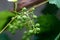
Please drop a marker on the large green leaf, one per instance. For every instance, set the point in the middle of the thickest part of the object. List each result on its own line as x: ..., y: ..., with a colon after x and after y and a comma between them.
x: 4, y: 18
x: 56, y: 2
x: 48, y: 22
x: 49, y: 27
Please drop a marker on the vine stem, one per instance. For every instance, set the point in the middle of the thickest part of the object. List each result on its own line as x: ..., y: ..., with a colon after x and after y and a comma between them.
x: 15, y: 6
x: 38, y: 5
x: 16, y: 15
x: 7, y: 24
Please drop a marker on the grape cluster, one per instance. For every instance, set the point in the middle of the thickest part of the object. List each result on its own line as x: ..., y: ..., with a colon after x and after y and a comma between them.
x: 25, y: 19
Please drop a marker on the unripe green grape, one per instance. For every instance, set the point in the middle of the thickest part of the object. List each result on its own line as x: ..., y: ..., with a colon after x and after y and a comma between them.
x: 21, y: 25
x: 24, y: 9
x: 22, y: 21
x: 24, y: 16
x: 35, y: 31
x: 16, y: 27
x: 37, y: 24
x: 18, y: 17
x: 38, y: 29
x: 19, y: 13
x: 13, y: 23
x: 31, y: 21
x: 30, y: 31
x: 11, y: 26
x: 34, y: 16
x: 33, y: 9
x: 25, y: 12
x: 18, y: 22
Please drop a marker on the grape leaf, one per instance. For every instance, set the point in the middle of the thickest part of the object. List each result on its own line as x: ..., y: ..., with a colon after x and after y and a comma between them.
x: 4, y: 18
x: 56, y: 2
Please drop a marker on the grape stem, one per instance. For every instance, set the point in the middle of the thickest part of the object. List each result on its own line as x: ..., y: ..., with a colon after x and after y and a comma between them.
x: 35, y: 6
x: 7, y: 25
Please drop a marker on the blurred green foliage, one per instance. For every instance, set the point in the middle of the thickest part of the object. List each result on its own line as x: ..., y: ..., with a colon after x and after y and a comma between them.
x: 5, y: 17
x: 50, y: 9
x: 49, y: 25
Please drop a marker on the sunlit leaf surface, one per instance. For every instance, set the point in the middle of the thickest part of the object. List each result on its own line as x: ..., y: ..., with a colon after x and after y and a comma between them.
x: 4, y: 18
x: 56, y: 2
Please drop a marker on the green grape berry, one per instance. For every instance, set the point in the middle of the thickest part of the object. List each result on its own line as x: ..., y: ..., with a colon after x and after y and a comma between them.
x: 35, y: 32
x: 25, y: 12
x: 34, y: 16
x: 30, y: 31
x: 18, y: 17
x: 24, y: 16
x: 11, y: 26
x: 21, y: 25
x: 16, y: 27
x: 37, y: 24
x: 33, y: 9
x: 18, y: 22
x: 38, y: 29
x: 24, y: 9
